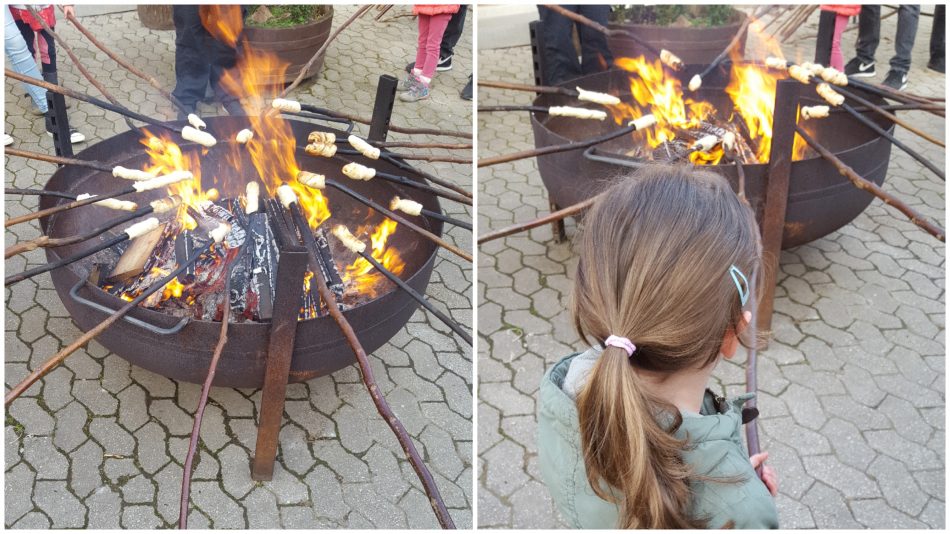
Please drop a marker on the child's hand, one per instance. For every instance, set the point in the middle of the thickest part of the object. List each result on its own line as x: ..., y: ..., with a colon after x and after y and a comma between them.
x: 769, y: 477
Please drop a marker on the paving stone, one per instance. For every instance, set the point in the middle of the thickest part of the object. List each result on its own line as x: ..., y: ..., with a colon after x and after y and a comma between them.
x: 221, y: 509
x: 876, y: 512
x: 900, y: 491
x: 18, y: 500
x: 35, y: 420
x: 828, y: 507
x: 831, y: 471
x: 330, y: 502
x: 105, y: 508
x: 33, y: 520
x: 85, y: 475
x: 113, y: 438
x: 140, y: 517
x: 48, y: 462
x: 59, y: 504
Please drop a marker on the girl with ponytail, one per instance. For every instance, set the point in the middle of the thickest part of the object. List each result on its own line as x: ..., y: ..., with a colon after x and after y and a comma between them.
x: 629, y: 436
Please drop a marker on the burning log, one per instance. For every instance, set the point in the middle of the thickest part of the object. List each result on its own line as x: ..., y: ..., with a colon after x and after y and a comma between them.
x: 57, y: 359
x: 401, y: 220
x: 262, y: 257
x: 132, y: 261
x: 865, y: 185
x: 321, y: 258
x: 131, y: 232
x: 137, y: 187
x: 638, y: 124
x: 355, y: 245
x: 412, y: 207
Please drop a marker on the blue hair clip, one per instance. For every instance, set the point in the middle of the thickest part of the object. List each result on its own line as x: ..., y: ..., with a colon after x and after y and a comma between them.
x: 743, y: 286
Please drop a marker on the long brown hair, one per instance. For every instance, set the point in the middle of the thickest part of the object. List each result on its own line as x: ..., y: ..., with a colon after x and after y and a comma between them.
x: 654, y: 267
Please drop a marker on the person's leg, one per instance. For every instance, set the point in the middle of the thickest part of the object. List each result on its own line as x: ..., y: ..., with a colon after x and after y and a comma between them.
x: 595, y: 55
x: 837, y: 58
x: 453, y: 32
x: 869, y: 33
x: 907, y: 19
x: 47, y: 46
x: 21, y: 61
x: 826, y: 25
x: 421, y: 44
x: 938, y: 39
x: 437, y: 24
x: 192, y: 70
x: 559, y: 55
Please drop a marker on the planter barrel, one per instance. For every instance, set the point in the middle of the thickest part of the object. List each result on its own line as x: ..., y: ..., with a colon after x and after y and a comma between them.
x: 294, y: 45
x: 156, y: 17
x: 695, y: 46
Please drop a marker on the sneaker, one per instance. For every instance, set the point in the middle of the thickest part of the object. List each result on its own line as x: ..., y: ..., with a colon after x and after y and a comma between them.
x: 75, y: 136
x: 37, y: 111
x: 896, y: 79
x: 7, y: 139
x: 417, y: 92
x: 860, y: 69
x: 937, y: 65
x: 466, y: 93
x: 445, y: 63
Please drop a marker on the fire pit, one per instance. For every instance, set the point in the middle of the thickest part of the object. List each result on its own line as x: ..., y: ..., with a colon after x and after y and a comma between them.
x: 821, y: 200
x: 181, y: 348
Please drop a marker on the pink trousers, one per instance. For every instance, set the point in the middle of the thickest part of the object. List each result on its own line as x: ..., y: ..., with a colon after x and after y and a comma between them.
x: 431, y: 28
x: 837, y: 59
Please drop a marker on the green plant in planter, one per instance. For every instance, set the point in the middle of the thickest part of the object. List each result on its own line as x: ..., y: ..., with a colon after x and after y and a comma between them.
x: 701, y: 16
x: 283, y: 16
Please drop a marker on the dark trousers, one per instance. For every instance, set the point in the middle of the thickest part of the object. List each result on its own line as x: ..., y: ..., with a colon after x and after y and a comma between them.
x: 453, y: 32
x: 559, y: 55
x: 938, y: 34
x: 200, y: 59
x: 49, y: 69
x: 869, y: 35
x: 826, y: 32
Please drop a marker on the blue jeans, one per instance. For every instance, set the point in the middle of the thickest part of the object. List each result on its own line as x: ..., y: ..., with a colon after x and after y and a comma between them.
x: 22, y: 61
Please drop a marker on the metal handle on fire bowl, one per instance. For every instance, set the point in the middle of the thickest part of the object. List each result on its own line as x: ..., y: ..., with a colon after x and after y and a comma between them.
x: 74, y: 294
x: 591, y: 155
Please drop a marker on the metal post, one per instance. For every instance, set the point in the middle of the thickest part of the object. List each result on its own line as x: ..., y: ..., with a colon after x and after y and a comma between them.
x: 59, y: 124
x: 537, y: 57
x: 784, y: 120
x: 383, y: 108
x: 290, y: 273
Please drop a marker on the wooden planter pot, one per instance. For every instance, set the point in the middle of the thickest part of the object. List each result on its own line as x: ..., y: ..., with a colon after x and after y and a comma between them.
x: 294, y: 45
x: 695, y: 46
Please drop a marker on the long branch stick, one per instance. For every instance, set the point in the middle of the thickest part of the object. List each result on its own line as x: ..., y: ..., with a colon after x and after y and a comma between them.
x: 428, y: 176
x: 601, y: 28
x: 366, y: 372
x: 505, y: 158
x: 46, y: 267
x: 872, y: 188
x: 883, y: 133
x: 63, y: 207
x: 392, y: 128
x: 203, y: 401
x: 37, y: 192
x: 404, y: 144
x: 59, y: 160
x: 551, y: 217
x: 751, y: 373
x: 46, y: 241
x: 548, y: 89
x: 125, y: 64
x: 890, y: 116
x: 58, y: 358
x: 89, y: 99
x: 402, y: 220
x: 72, y: 56
x: 725, y: 53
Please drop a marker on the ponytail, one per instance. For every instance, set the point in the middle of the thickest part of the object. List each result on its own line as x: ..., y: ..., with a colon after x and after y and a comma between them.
x: 625, y: 447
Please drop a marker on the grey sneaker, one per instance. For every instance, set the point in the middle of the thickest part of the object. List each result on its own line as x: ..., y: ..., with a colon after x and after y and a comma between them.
x: 408, y: 82
x: 417, y: 92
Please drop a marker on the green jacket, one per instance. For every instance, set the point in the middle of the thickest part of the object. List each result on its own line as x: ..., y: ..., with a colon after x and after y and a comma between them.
x: 718, y: 452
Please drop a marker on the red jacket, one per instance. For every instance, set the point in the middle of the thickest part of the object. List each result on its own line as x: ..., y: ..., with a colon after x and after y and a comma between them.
x: 435, y: 9
x: 848, y: 10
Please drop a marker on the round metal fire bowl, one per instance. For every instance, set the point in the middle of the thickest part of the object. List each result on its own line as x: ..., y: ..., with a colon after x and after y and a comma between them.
x: 820, y: 199
x: 319, y: 348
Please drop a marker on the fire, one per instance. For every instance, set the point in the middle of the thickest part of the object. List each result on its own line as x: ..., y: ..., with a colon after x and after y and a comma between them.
x: 752, y: 89
x: 362, y: 273
x: 166, y: 156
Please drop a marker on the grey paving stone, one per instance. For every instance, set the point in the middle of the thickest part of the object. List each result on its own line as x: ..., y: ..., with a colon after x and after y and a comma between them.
x: 140, y: 517
x: 85, y: 475
x: 17, y: 483
x: 62, y: 507
x: 876, y: 512
x: 105, y: 508
x: 48, y: 462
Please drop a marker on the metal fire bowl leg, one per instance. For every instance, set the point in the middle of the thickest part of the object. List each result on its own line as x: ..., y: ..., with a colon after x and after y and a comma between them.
x: 320, y: 347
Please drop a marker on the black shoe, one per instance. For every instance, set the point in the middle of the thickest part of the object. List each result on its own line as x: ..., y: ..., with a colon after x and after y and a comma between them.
x: 466, y: 93
x: 937, y: 65
x: 896, y: 79
x: 860, y: 69
x: 445, y: 63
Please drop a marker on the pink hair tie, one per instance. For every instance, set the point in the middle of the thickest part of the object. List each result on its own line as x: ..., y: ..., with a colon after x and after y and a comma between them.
x: 621, y: 342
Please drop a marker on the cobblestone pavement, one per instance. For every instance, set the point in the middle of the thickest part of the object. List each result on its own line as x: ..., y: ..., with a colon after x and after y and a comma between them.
x: 100, y: 444
x: 851, y: 389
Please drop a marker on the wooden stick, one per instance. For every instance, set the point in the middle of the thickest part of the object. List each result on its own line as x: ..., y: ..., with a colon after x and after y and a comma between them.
x: 69, y: 52
x: 505, y: 158
x: 428, y: 176
x: 446, y: 219
x: 581, y: 19
x: 402, y: 220
x: 59, y: 160
x: 63, y: 207
x: 890, y: 116
x: 392, y: 128
x: 404, y: 144
x: 444, y: 159
x: 493, y: 109
x: 890, y: 92
x: 547, y: 219
x: 37, y: 192
x: 547, y: 89
x: 899, y: 107
x: 203, y: 400
x: 366, y: 372
x: 46, y: 242
x: 89, y: 99
x: 725, y: 53
x: 402, y: 180
x: 872, y: 188
x: 883, y: 133
x: 125, y: 64
x: 57, y: 359
x: 751, y: 373
x: 321, y: 50
x: 30, y: 273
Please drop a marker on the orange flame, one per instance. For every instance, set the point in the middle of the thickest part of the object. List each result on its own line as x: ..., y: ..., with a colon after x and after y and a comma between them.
x: 361, y: 273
